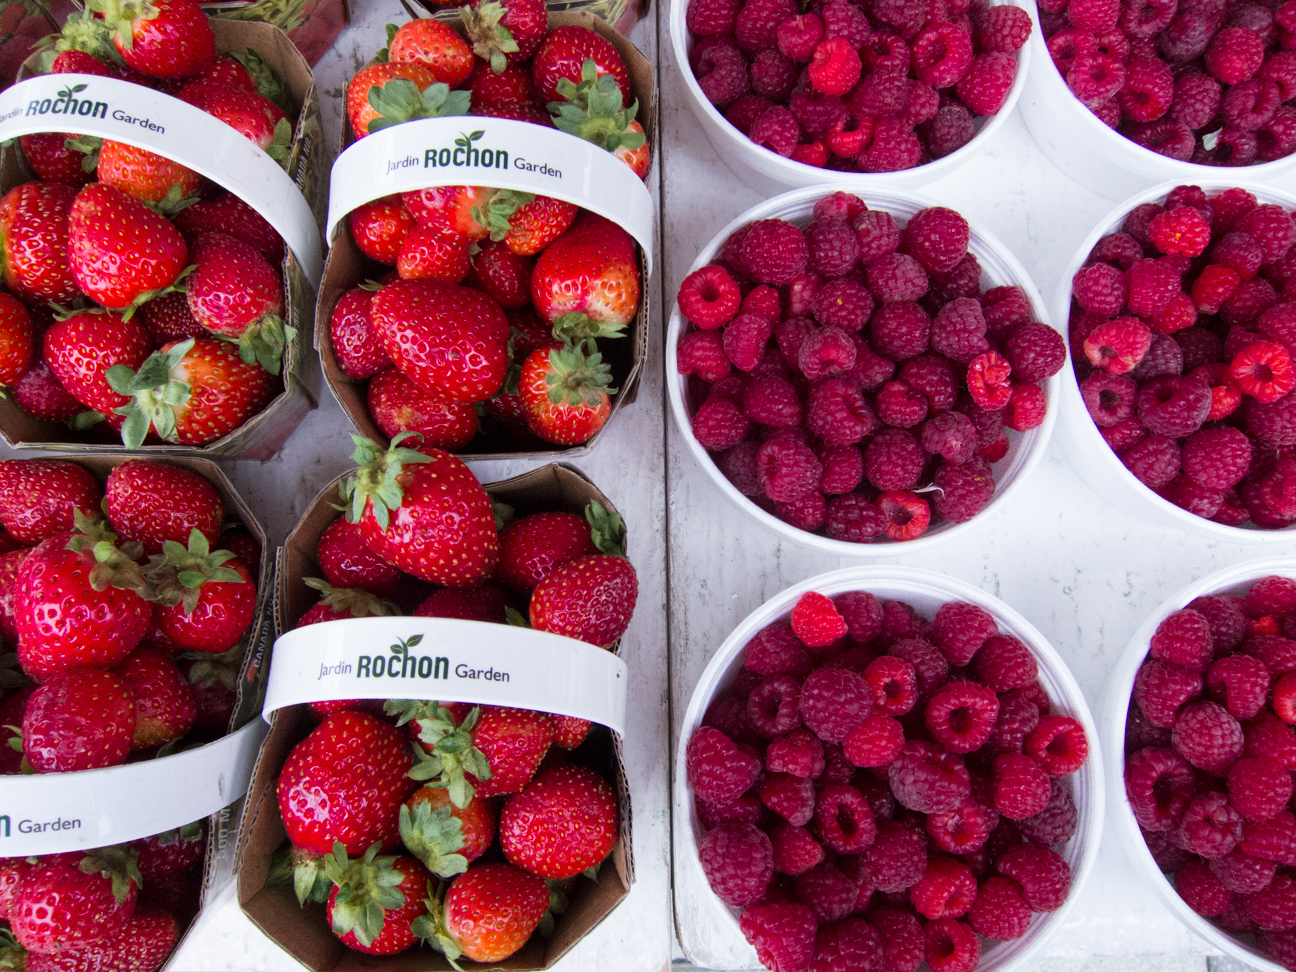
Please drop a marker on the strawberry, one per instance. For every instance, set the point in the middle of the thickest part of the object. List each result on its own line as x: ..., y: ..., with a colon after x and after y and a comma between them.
x: 592, y: 270
x: 477, y: 821
x: 83, y: 348
x: 356, y: 345
x: 528, y: 333
x: 538, y: 222
x: 252, y: 115
x: 565, y: 393
x: 564, y: 822
x: 230, y: 214
x: 164, y: 705
x: 347, y: 561
x: 34, y: 242
x: 212, y: 681
x: 569, y: 731
x: 86, y: 576
x: 171, y: 851
x: 526, y: 113
x: 379, y: 228
x: 159, y: 38
x: 12, y: 871
x: 422, y: 510
x: 594, y: 109
x: 40, y: 498
x: 590, y: 599
x: 9, y: 564
x: 435, y: 45
x: 381, y: 95
x: 80, y: 62
x: 463, y: 210
x: 235, y: 292
x: 228, y: 71
x: 64, y: 905
x: 532, y: 546
x: 345, y: 783
x: 152, y: 502
x: 488, y: 913
x: 338, y: 604
x: 485, y: 603
x: 147, y: 177
x: 398, y: 405
x: 103, y: 224
x: 168, y: 318
x: 41, y: 395
x: 15, y: 339
x: 447, y: 338
x: 505, y: 33
x: 512, y: 86
x: 246, y: 547
x: 503, y: 274
x: 81, y: 719
x: 375, y: 900
x: 563, y: 55
x: 53, y: 159
x: 193, y: 391
x: 431, y: 253
x: 142, y: 946
x: 206, y: 598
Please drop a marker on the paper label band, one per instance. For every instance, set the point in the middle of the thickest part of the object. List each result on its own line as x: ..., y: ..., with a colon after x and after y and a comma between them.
x: 85, y: 104
x: 447, y: 660
x: 50, y: 813
x: 500, y: 152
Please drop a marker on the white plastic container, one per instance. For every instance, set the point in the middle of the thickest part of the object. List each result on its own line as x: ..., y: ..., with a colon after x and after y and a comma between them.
x: 766, y: 170
x: 1098, y: 157
x: 1090, y: 456
x: 999, y: 268
x: 925, y: 591
x: 1113, y: 707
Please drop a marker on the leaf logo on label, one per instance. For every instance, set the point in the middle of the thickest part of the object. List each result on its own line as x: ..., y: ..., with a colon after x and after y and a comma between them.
x: 66, y: 103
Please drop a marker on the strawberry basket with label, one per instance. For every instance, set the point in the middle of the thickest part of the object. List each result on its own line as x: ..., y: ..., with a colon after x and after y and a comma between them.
x: 509, y: 316
x: 195, y: 147
x: 445, y: 721
x: 136, y: 597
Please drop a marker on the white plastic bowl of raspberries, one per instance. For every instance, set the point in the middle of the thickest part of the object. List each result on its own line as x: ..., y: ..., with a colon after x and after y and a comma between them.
x: 1180, y: 401
x: 1125, y: 95
x: 855, y: 377
x: 882, y: 766
x: 889, y: 98
x: 1197, y: 726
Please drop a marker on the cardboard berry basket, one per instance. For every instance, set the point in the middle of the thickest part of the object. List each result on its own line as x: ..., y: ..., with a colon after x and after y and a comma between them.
x: 312, y: 25
x: 22, y: 25
x: 292, y: 200
x: 335, y: 660
x: 1114, y: 707
x: 508, y: 155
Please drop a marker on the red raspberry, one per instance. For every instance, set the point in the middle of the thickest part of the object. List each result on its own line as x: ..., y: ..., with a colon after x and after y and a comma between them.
x: 961, y: 715
x: 1036, y: 352
x: 1044, y: 876
x: 894, y: 684
x: 1002, y: 28
x: 1201, y: 890
x: 718, y: 770
x: 876, y: 741
x: 894, y: 147
x: 783, y: 933
x: 905, y: 515
x: 933, y: 376
x: 959, y: 330
x: 1153, y: 461
x: 988, y: 380
x: 776, y: 650
x: 1242, y: 682
x: 798, y: 36
x: 1058, y: 744
x: 1158, y: 784
x: 838, y: 416
x: 835, y: 68
x: 709, y: 297
x: 1271, y: 840
x: 1026, y: 408
x: 808, y: 512
x: 984, y: 87
x: 827, y: 892
x: 1278, y: 653
x: 1125, y: 435
x: 942, y: 54
x: 1056, y: 823
x: 1273, y: 423
x: 833, y: 247
x: 1173, y: 406
x: 701, y: 353
x: 1196, y: 100
x: 738, y: 861
x: 746, y: 809
x: 711, y: 17
x: 877, y: 235
x: 1235, y: 54
x: 1271, y: 226
x: 728, y: 713
x: 1257, y: 788
x: 1021, y: 787
x: 1271, y: 595
x: 791, y: 797
x: 772, y: 705
x: 774, y: 250
x: 853, y: 519
x: 961, y: 629
x: 1207, y: 736
x: 946, y: 889
x: 847, y: 945
x: 962, y: 830
x: 1017, y: 717
x: 1147, y: 94
x: 1095, y: 78
x: 1180, y: 231
x: 777, y: 130
x: 1217, y: 458
x: 721, y: 73
x: 773, y: 75
x: 897, y: 859
x: 772, y: 401
x: 937, y: 238
x: 863, y: 614
x: 1241, y: 873
x: 1183, y: 639
x: 787, y: 470
x: 1005, y: 663
x: 1118, y: 345
x: 719, y: 424
x: 1283, y: 700
x: 816, y: 622
x: 834, y: 701
x: 949, y: 130
x: 743, y: 113
x: 1109, y: 399
x: 756, y: 25
x: 1273, y: 908
x: 893, y: 460
x: 795, y: 850
x: 1095, y: 16
x: 843, y: 820
x: 930, y: 666
x: 1264, y: 371
x: 1210, y: 827
x: 928, y: 779
x: 950, y: 435
x: 1280, y: 946
x: 799, y: 753
x: 826, y: 353
x: 1000, y: 910
x: 896, y: 278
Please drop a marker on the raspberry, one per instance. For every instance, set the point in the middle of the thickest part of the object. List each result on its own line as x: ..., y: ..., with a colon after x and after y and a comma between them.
x: 1235, y: 54
x: 1021, y: 787
x: 1005, y: 663
x: 1273, y: 423
x: 988, y: 380
x: 1217, y: 458
x: 772, y: 705
x: 985, y: 85
x: 932, y: 376
x: 897, y: 859
x: 1095, y: 78
x: 1273, y: 908
x: 1183, y: 639
x: 711, y: 17
x: 894, y: 147
x: 738, y: 861
x: 1251, y: 105
x: 745, y: 810
x: 787, y: 470
x: 896, y: 278
x: 961, y: 715
x: 826, y: 353
x: 1207, y: 736
x: 1271, y: 840
x: 941, y: 54
x: 777, y: 130
x: 949, y: 130
x: 1035, y: 351
x: 776, y: 650
x: 1118, y: 249
x: 728, y: 713
x: 717, y: 769
x: 1154, y: 461
x: 1196, y: 100
x: 835, y: 67
x: 950, y: 435
x: 959, y: 330
x: 1147, y: 94
x: 773, y: 75
x: 1280, y: 946
x: 1124, y: 435
x: 834, y: 701
x: 1271, y: 595
x: 756, y: 25
x: 1272, y: 227
x: 719, y: 424
x: 798, y: 36
x: 1180, y: 231
x: 1058, y: 744
x: 876, y: 741
x: 928, y: 779
x: 1277, y: 653
x: 862, y: 613
x: 1044, y: 876
x: 1241, y: 873
x: 894, y: 684
x: 1278, y: 138
x: 1201, y: 890
x: 1109, y: 398
x: 709, y: 297
x: 847, y: 945
x: 1216, y: 284
x: 1017, y: 717
x: 946, y: 889
x: 1242, y: 682
x: 807, y: 512
x: 1026, y: 409
x: 1187, y: 495
x: 832, y: 246
x: 774, y: 250
x: 1002, y: 28
x: 937, y: 238
x: 1118, y: 345
x: 701, y: 353
x: 721, y: 73
x: 772, y: 401
x: 838, y: 415
x: 1146, y: 18
x: 1152, y: 285
x: 744, y: 112
x: 1095, y: 16
x: 1173, y: 406
x: 1257, y: 788
x: 893, y: 460
x: 853, y: 519
x: 1264, y: 371
x: 843, y: 820
x: 961, y: 629
x: 842, y: 303
x: 816, y: 622
x: 783, y: 933
x: 795, y: 850
x: 1158, y: 784
x: 1056, y: 823
x: 827, y: 892
x: 799, y: 752
x: 791, y: 797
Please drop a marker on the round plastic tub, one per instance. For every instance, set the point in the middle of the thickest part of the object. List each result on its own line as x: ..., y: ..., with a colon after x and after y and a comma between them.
x: 999, y: 268
x: 767, y: 170
x: 1090, y: 456
x: 1098, y: 157
x: 1113, y: 707
x: 925, y: 591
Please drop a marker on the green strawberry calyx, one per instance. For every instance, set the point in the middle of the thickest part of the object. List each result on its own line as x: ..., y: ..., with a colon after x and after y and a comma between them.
x: 187, y: 834
x: 157, y: 395
x: 207, y: 669
x: 503, y: 513
x: 576, y: 377
x: 447, y: 754
x: 120, y: 15
x: 433, y: 836
x: 89, y: 146
x: 490, y: 39
x: 400, y: 100
x: 170, y: 204
x: 607, y: 528
x: 557, y: 905
x: 367, y: 889
x: 375, y: 482
x: 310, y: 880
x: 269, y: 84
x: 354, y: 601
x: 594, y: 110
x: 11, y: 673
x: 431, y: 928
x: 85, y: 32
x: 178, y: 574
x: 495, y: 215
x: 117, y: 863
x: 384, y: 55
x: 175, y: 286
x: 264, y: 340
x: 13, y: 957
x: 574, y: 328
x: 114, y: 565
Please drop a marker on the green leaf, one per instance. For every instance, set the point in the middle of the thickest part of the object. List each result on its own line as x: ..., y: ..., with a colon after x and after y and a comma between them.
x: 433, y: 836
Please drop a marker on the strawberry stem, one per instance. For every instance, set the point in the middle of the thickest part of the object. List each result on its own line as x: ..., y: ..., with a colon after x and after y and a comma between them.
x: 375, y: 482
x: 178, y: 574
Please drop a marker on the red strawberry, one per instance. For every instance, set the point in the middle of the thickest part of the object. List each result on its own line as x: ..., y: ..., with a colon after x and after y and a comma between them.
x: 477, y: 821
x: 193, y: 391
x: 81, y: 350
x: 503, y: 274
x: 375, y: 900
x: 172, y: 851
x: 381, y: 95
x: 226, y: 70
x: 152, y: 502
x: 441, y: 527
x: 592, y: 270
x: 564, y: 393
x: 347, y: 561
x: 142, y: 946
x: 569, y: 731
x: 398, y: 405
x: 532, y: 546
x: 252, y: 115
x: 12, y: 871
x: 160, y: 38
x: 453, y: 208
x: 562, y: 823
x: 168, y: 318
x: 81, y: 719
x: 206, y: 598
x: 595, y: 109
x: 447, y: 338
x: 484, y: 602
x: 15, y: 339
x: 65, y: 580
x: 236, y: 293
x: 590, y: 599
x: 512, y: 86
x: 53, y: 160
x: 80, y: 62
x: 144, y: 175
x: 103, y: 225
x: 41, y: 395
x: 431, y: 253
x: 506, y: 32
x: 39, y: 498
x: 338, y: 604
x: 356, y: 344
x: 34, y: 242
x: 164, y: 705
x: 435, y: 45
x: 526, y: 113
x: 345, y: 783
x: 537, y: 223
x: 230, y: 214
x: 246, y: 547
x: 66, y: 904
x: 563, y: 55
x: 9, y: 564
x: 488, y: 913
x: 379, y: 228
x: 213, y: 680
